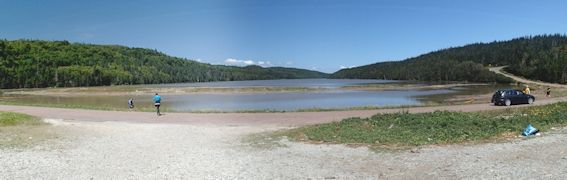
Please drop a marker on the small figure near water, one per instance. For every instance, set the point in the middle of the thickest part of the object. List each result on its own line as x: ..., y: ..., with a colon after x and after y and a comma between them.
x: 548, y: 92
x: 131, y: 103
x: 157, y: 103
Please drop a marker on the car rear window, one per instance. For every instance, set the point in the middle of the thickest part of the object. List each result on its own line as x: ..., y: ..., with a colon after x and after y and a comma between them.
x: 499, y: 93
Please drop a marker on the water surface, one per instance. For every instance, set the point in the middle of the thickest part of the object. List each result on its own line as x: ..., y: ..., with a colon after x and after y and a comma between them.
x: 329, y: 99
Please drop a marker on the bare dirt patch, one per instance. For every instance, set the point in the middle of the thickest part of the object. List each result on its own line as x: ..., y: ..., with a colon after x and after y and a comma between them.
x: 34, y: 136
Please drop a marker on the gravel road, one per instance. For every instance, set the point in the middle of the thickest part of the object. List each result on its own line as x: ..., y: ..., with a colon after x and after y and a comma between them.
x: 499, y: 70
x: 122, y: 150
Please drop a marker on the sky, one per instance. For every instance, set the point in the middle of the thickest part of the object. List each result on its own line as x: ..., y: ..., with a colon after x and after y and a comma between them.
x: 322, y: 35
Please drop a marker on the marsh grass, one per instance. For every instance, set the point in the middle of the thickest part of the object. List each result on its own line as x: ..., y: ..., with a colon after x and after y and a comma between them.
x: 399, y: 130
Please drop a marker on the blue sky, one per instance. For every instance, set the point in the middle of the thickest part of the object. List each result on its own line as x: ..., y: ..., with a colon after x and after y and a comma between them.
x: 324, y: 35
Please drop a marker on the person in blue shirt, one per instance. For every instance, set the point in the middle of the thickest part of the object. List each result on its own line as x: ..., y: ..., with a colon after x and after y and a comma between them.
x: 157, y: 102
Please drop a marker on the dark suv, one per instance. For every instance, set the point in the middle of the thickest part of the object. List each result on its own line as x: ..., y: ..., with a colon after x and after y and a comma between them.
x: 509, y: 96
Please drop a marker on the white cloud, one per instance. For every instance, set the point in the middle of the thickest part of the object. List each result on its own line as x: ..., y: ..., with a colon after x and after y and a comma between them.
x: 232, y: 61
x: 345, y: 67
x: 249, y: 62
x: 237, y: 62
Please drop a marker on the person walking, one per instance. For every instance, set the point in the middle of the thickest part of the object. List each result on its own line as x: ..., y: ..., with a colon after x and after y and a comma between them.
x: 157, y: 103
x: 131, y: 103
x: 548, y: 92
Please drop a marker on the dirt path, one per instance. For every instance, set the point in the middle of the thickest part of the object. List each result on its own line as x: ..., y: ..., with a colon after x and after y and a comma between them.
x: 499, y: 70
x: 236, y: 119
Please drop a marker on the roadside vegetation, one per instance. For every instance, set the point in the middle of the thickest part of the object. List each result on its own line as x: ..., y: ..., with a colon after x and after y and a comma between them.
x: 22, y: 130
x: 402, y: 130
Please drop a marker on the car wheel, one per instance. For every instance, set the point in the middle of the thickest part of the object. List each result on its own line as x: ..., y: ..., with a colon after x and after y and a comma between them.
x: 508, y: 102
x: 530, y: 101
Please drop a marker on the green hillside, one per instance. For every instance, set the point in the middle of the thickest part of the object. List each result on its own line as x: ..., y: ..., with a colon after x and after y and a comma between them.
x: 34, y: 63
x: 536, y: 57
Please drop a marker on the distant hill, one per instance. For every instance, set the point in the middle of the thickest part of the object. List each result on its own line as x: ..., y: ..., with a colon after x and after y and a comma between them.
x: 536, y: 57
x: 35, y: 63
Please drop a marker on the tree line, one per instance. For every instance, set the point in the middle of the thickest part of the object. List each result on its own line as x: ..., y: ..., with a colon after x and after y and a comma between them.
x: 36, y: 63
x: 542, y: 57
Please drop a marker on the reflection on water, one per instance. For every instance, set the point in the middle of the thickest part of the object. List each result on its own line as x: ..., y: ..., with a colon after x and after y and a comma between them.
x: 295, y: 101
x: 266, y: 101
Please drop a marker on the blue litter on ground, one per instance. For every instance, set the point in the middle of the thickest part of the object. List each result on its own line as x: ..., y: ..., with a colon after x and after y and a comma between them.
x: 530, y: 130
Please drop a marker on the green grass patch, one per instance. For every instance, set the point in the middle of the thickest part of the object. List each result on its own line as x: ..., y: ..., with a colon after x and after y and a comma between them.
x: 13, y: 119
x: 441, y: 127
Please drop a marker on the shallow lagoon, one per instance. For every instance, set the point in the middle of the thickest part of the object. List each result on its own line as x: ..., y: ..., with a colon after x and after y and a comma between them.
x: 332, y: 98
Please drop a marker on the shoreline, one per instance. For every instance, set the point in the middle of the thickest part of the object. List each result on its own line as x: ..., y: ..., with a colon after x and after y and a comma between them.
x: 286, y: 119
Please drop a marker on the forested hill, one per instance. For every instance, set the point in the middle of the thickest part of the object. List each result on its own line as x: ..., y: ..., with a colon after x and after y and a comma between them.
x: 538, y: 57
x: 33, y: 63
